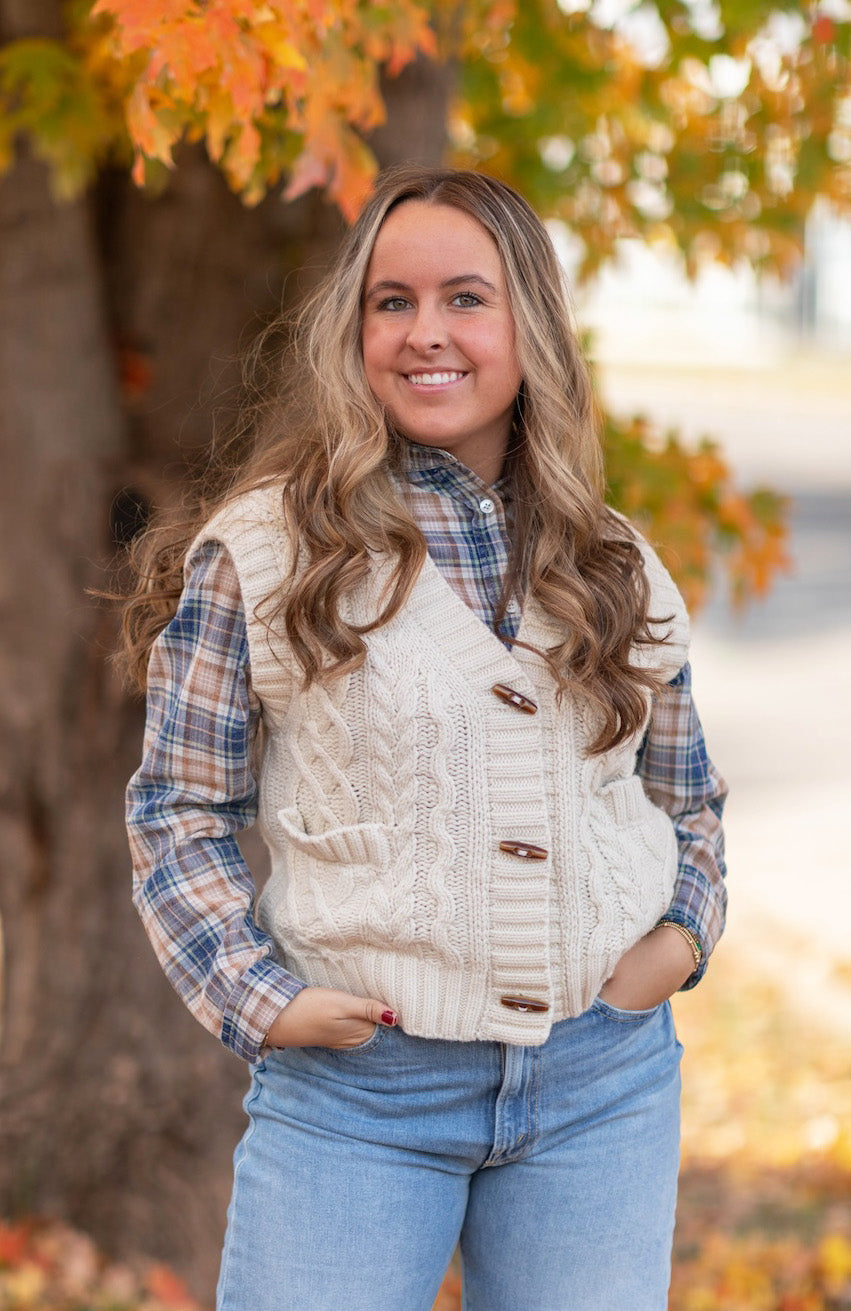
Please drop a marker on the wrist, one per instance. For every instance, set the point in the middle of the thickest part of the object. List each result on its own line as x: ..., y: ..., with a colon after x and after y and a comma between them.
x: 277, y: 1034
x: 690, y: 939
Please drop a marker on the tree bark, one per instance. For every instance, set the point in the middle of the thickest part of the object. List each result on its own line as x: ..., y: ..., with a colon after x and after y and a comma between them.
x: 118, y: 1112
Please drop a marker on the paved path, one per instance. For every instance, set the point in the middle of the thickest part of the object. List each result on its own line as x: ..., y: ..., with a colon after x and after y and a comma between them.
x: 774, y: 688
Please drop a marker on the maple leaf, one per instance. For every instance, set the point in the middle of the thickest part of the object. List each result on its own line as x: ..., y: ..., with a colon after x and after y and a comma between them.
x: 137, y: 21
x: 308, y: 171
x: 14, y: 1243
x: 152, y: 135
x: 165, y: 1286
x: 281, y: 48
x: 355, y: 168
x: 218, y: 66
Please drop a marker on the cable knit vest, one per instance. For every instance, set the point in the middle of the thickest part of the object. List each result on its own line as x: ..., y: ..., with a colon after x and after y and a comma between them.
x: 385, y: 798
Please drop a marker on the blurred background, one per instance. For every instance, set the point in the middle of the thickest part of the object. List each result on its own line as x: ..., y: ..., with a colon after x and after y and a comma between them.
x: 771, y: 381
x: 169, y: 177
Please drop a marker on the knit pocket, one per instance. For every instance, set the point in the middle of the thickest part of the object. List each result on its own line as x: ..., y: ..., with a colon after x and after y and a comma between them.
x: 343, y: 887
x: 632, y: 864
x: 353, y: 844
x: 626, y: 801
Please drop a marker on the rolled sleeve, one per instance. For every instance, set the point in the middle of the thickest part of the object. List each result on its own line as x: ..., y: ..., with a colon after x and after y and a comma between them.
x: 194, y: 791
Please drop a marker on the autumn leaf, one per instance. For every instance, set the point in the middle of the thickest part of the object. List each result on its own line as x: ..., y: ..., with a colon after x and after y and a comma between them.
x: 14, y: 1243
x: 308, y: 171
x: 165, y: 1286
x: 242, y: 74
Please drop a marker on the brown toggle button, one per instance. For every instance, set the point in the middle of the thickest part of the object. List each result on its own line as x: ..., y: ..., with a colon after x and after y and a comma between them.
x: 524, y: 1004
x: 525, y: 849
x: 513, y: 698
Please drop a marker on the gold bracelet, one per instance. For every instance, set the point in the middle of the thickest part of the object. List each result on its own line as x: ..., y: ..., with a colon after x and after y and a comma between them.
x: 696, y: 949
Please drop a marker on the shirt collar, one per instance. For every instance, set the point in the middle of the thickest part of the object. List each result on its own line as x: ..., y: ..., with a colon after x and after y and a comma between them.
x: 429, y: 466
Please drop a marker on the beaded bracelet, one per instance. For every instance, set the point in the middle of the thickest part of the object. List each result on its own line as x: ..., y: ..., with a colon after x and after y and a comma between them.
x: 696, y: 949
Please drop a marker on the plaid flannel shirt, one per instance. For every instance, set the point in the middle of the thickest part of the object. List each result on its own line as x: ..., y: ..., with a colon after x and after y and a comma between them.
x: 195, y: 789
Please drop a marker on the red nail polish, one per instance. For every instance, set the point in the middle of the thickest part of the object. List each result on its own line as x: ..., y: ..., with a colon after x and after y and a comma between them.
x: 389, y: 1017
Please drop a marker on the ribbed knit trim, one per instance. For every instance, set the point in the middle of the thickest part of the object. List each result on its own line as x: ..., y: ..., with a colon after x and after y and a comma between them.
x: 518, y: 890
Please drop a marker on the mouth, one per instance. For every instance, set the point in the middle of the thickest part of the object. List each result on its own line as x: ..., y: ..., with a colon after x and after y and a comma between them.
x: 436, y: 379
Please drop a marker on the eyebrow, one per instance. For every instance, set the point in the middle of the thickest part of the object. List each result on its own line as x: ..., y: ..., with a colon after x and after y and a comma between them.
x: 462, y: 279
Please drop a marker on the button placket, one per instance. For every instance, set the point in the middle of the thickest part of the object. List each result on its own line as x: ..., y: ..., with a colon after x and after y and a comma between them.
x: 522, y: 984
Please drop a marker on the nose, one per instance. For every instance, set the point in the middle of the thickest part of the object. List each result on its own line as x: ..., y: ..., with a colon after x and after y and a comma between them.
x: 427, y: 332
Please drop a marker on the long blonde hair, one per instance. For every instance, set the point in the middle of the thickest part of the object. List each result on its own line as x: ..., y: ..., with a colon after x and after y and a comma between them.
x: 323, y: 434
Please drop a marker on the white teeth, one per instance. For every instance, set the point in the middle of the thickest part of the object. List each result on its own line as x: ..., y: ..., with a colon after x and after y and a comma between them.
x: 433, y: 379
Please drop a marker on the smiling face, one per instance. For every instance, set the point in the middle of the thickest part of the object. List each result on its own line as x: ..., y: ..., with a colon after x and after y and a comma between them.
x: 438, y: 334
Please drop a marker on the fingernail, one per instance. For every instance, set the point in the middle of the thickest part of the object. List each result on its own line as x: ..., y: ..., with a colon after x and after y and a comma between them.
x: 389, y: 1017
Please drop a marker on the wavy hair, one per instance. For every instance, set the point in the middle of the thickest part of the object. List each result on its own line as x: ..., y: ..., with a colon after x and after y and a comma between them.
x: 320, y: 431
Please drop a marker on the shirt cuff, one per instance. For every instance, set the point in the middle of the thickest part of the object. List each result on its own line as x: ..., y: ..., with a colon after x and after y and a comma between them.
x: 255, y: 1002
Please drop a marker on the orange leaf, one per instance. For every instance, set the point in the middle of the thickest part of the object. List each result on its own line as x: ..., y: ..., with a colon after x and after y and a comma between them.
x: 14, y: 1243
x: 137, y: 20
x: 164, y: 1285
x: 354, y: 172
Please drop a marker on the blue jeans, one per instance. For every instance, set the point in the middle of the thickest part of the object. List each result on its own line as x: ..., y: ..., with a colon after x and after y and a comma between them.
x: 555, y: 1167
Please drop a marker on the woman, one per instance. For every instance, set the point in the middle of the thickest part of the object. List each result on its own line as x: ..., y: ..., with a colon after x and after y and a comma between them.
x: 455, y: 687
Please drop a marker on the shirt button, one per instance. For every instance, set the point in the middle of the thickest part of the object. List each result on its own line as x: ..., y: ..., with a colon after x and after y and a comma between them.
x: 486, y: 505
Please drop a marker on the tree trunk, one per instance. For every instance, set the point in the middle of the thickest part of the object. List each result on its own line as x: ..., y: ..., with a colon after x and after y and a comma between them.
x: 118, y: 1112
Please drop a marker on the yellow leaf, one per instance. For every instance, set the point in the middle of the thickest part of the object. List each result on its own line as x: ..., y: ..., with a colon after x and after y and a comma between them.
x: 147, y: 130
x: 280, y: 48
x: 220, y: 119
x: 24, y: 1287
x: 835, y: 1257
x: 242, y: 155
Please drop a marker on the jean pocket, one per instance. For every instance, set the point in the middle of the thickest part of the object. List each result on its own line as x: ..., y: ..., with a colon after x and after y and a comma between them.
x: 622, y: 1016
x: 371, y: 1042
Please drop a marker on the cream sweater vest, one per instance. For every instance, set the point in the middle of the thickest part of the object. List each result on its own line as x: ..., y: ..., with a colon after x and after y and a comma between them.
x: 386, y: 795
